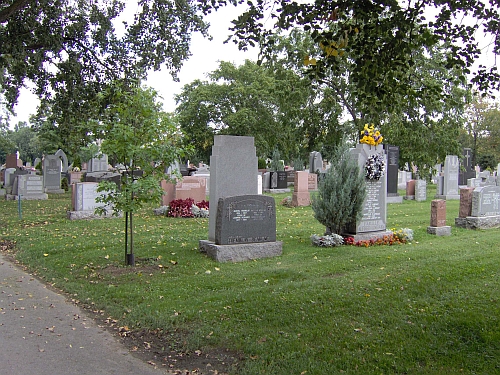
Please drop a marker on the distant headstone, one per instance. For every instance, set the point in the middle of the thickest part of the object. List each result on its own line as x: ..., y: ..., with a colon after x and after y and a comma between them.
x: 312, y: 182
x: 474, y: 182
x: 52, y: 174
x: 28, y: 187
x: 233, y: 174
x: 9, y: 175
x: 450, y: 183
x: 420, y: 190
x: 11, y: 161
x: 259, y: 183
x: 168, y: 188
x: 37, y: 161
x: 465, y: 202
x: 60, y: 154
x: 84, y: 203
x: 266, y: 181
x: 191, y: 187
x: 410, y: 190
x: 438, y: 219
x: 278, y: 180
x: 466, y: 170
x: 403, y: 178
x: 301, y: 195
x: 315, y: 162
x: 484, y: 209
x: 98, y: 164
x: 392, y: 174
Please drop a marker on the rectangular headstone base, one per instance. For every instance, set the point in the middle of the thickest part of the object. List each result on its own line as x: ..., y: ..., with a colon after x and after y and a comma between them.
x: 90, y: 214
x: 54, y: 191
x: 409, y: 197
x: 394, y: 199
x: 447, y: 197
x: 366, y: 236
x: 31, y: 197
x: 276, y: 191
x: 439, y: 231
x: 241, y: 252
x: 473, y: 222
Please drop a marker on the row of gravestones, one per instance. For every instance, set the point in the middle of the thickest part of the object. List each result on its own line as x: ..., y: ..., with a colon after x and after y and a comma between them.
x: 25, y: 183
x: 479, y: 209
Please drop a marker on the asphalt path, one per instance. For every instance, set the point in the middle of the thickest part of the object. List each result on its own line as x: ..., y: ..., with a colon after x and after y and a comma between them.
x: 41, y: 333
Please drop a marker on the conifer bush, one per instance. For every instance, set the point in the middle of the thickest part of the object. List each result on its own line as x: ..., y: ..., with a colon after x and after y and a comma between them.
x: 341, y: 192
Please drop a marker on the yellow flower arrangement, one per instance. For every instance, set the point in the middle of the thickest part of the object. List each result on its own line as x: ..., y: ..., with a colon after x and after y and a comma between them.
x: 370, y: 135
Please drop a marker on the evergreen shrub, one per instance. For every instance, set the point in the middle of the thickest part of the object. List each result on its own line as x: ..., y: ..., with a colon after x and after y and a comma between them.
x: 341, y: 192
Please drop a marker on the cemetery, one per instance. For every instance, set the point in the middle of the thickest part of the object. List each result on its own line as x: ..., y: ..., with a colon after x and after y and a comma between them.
x: 255, y: 256
x: 327, y: 202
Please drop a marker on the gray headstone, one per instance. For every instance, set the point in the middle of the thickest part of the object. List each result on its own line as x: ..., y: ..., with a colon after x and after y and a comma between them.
x: 98, y: 164
x: 245, y: 219
x: 85, y: 196
x: 60, y: 154
x: 9, y: 176
x: 374, y: 217
x: 486, y: 201
x: 233, y: 171
x: 420, y: 190
x: 52, y: 174
x: 450, y: 183
x: 29, y: 186
x: 315, y: 162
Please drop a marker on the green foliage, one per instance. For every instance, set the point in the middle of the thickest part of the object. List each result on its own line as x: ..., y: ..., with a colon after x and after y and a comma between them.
x: 249, y: 100
x: 71, y: 51
x: 261, y: 163
x: 139, y: 136
x: 64, y: 184
x: 379, y: 36
x: 341, y: 192
x: 276, y: 163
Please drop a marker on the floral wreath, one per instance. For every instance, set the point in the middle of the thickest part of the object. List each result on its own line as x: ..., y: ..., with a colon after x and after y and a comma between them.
x: 375, y: 167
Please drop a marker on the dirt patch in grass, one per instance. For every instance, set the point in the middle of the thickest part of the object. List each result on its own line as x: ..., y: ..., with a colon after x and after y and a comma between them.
x: 164, y: 350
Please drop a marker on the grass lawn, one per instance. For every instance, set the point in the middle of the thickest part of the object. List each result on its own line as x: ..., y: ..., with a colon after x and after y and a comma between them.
x: 429, y: 307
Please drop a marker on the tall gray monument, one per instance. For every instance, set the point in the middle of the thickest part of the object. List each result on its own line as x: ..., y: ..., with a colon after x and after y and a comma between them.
x: 450, y: 188
x: 373, y: 222
x: 234, y: 186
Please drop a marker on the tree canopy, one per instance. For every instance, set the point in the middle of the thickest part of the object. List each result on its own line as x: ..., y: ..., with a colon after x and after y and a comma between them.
x: 71, y: 50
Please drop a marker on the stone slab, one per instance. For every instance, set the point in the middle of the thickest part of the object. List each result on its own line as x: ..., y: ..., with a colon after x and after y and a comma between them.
x: 472, y: 222
x: 394, y: 199
x: 439, y: 231
x: 90, y: 215
x: 245, y: 219
x: 241, y: 252
x: 370, y: 235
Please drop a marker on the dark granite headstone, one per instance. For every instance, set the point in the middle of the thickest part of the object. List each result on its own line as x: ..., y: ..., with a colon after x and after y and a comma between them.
x: 279, y: 180
x: 245, y: 219
x: 392, y: 169
x: 466, y: 170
